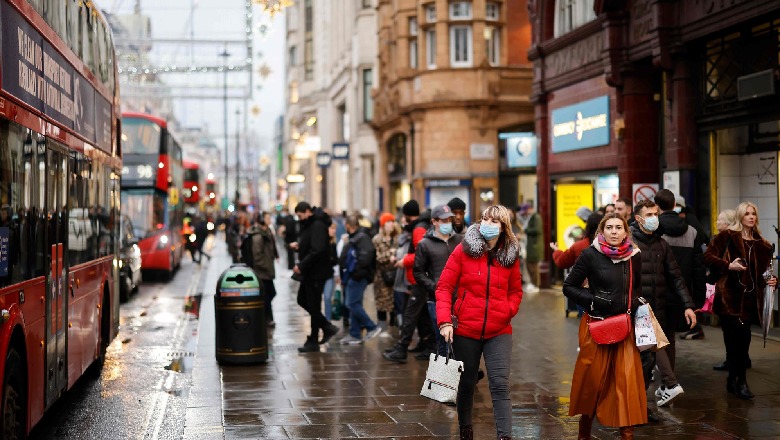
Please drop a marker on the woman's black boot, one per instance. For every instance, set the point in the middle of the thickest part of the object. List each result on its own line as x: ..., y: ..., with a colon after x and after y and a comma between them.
x: 466, y: 433
x: 743, y: 391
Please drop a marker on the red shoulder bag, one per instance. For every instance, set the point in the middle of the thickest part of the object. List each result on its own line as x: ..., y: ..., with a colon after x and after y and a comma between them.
x: 614, y: 329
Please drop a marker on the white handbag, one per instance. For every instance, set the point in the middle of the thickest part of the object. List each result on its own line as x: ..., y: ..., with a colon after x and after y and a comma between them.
x: 443, y: 377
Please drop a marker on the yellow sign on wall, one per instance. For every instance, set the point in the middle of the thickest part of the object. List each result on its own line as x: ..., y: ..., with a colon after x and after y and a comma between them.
x: 569, y: 197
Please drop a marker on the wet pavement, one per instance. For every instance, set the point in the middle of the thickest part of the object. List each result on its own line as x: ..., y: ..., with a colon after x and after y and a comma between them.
x: 143, y: 389
x: 352, y: 392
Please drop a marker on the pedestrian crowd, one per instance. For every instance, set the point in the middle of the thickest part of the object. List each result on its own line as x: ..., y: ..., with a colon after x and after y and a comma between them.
x: 457, y: 286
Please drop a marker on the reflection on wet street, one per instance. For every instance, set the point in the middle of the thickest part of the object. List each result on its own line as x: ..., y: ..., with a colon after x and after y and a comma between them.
x: 352, y: 392
x: 144, y: 386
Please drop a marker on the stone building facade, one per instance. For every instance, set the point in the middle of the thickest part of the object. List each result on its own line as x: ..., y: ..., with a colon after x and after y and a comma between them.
x: 452, y: 76
x: 329, y: 146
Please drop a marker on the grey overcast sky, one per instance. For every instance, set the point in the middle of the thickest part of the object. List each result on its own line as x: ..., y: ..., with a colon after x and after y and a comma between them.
x: 220, y: 19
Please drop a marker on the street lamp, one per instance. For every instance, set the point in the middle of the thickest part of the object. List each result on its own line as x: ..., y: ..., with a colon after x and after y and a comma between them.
x: 238, y: 153
x: 225, y: 54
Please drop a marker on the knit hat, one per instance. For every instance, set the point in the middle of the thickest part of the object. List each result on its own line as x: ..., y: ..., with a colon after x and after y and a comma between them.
x: 384, y: 218
x: 456, y: 204
x: 411, y: 208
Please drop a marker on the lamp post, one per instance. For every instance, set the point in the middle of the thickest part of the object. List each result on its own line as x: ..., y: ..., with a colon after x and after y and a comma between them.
x: 238, y: 155
x: 225, y: 54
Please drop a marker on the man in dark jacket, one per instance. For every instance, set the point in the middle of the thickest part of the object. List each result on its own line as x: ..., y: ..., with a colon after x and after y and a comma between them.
x: 686, y: 245
x: 661, y: 278
x: 358, y: 267
x: 264, y: 253
x: 313, y: 250
x: 431, y: 257
x: 458, y: 208
x: 415, y: 312
x: 290, y: 236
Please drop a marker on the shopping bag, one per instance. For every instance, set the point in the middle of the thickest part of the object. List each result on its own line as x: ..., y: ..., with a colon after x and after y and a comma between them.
x: 660, y: 336
x: 442, y: 378
x: 644, y: 331
x: 336, y: 304
x: 709, y: 300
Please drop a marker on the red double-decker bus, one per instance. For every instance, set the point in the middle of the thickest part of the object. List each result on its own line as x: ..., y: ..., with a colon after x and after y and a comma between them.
x: 193, y: 187
x: 152, y: 181
x: 211, y: 191
x: 60, y: 162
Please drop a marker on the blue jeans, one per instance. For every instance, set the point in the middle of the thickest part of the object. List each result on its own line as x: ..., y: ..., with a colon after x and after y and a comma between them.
x: 441, y: 344
x: 358, y: 318
x: 327, y: 294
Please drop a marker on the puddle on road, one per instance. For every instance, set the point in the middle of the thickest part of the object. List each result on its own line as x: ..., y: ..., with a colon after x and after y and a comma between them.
x: 183, y: 356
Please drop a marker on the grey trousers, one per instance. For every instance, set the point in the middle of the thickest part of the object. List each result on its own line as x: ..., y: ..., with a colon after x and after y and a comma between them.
x: 497, y: 352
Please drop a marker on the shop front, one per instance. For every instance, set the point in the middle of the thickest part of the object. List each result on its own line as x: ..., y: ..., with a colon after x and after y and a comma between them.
x: 517, y: 168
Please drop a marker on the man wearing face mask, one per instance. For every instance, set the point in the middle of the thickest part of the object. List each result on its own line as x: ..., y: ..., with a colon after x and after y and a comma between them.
x: 430, y: 257
x: 661, y: 278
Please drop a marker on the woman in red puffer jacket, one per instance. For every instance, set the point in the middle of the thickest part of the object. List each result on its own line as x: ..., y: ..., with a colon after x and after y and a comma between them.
x: 486, y: 273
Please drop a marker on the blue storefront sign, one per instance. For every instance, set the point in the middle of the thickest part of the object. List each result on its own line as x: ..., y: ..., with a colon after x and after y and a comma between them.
x: 340, y: 151
x: 520, y: 149
x: 5, y: 235
x: 583, y: 125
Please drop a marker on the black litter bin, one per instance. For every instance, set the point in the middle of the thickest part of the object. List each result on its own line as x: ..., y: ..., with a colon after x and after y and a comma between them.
x: 241, y: 333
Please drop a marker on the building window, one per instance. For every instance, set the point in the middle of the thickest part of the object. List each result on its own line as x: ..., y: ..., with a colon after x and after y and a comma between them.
x: 493, y: 45
x: 294, y: 92
x: 412, y: 26
x: 571, y: 14
x: 492, y: 11
x: 430, y: 13
x: 430, y: 48
x: 460, y: 46
x: 308, y: 44
x: 460, y: 11
x: 293, y: 53
x: 368, y: 101
x: 413, y: 54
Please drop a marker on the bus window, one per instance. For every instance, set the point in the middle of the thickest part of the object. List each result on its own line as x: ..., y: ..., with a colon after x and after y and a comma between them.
x: 54, y: 14
x: 72, y: 19
x: 140, y: 136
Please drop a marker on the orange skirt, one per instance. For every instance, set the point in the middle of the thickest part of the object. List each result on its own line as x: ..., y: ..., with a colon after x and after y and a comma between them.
x: 608, y: 381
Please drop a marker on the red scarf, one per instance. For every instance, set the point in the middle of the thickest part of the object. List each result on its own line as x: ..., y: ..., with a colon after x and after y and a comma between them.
x: 615, y: 252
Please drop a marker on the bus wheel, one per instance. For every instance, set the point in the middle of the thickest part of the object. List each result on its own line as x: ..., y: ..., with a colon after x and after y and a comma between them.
x: 14, y: 395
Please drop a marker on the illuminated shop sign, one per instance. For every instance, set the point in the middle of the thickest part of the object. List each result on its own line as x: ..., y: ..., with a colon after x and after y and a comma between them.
x: 520, y: 149
x: 582, y: 125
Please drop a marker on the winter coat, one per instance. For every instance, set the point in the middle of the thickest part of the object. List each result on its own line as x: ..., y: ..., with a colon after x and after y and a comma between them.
x: 401, y: 282
x: 365, y: 267
x: 263, y: 252
x: 418, y: 228
x: 566, y: 259
x: 313, y: 249
x: 534, y: 249
x: 730, y: 296
x: 661, y: 277
x: 489, y: 288
x: 430, y: 258
x: 687, y: 248
x: 608, y: 279
x: 386, y: 247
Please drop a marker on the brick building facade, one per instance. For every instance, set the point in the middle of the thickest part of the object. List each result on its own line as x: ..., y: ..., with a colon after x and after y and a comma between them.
x: 680, y: 94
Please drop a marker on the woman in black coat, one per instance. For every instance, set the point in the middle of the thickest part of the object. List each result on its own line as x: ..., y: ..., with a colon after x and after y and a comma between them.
x: 741, y: 256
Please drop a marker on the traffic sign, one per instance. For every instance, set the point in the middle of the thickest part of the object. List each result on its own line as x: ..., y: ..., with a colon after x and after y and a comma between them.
x: 644, y: 191
x: 323, y: 159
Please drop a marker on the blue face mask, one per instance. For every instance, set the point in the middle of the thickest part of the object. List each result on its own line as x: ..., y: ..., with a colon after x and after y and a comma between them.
x: 445, y: 228
x: 678, y: 209
x: 489, y: 231
x: 651, y: 223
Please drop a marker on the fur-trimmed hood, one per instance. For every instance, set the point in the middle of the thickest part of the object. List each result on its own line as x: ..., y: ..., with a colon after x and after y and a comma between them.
x: 474, y: 245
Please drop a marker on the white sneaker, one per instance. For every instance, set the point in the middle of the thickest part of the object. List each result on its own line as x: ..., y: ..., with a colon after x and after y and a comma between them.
x: 660, y: 391
x: 350, y: 340
x: 530, y: 288
x: 668, y: 394
x: 372, y: 334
